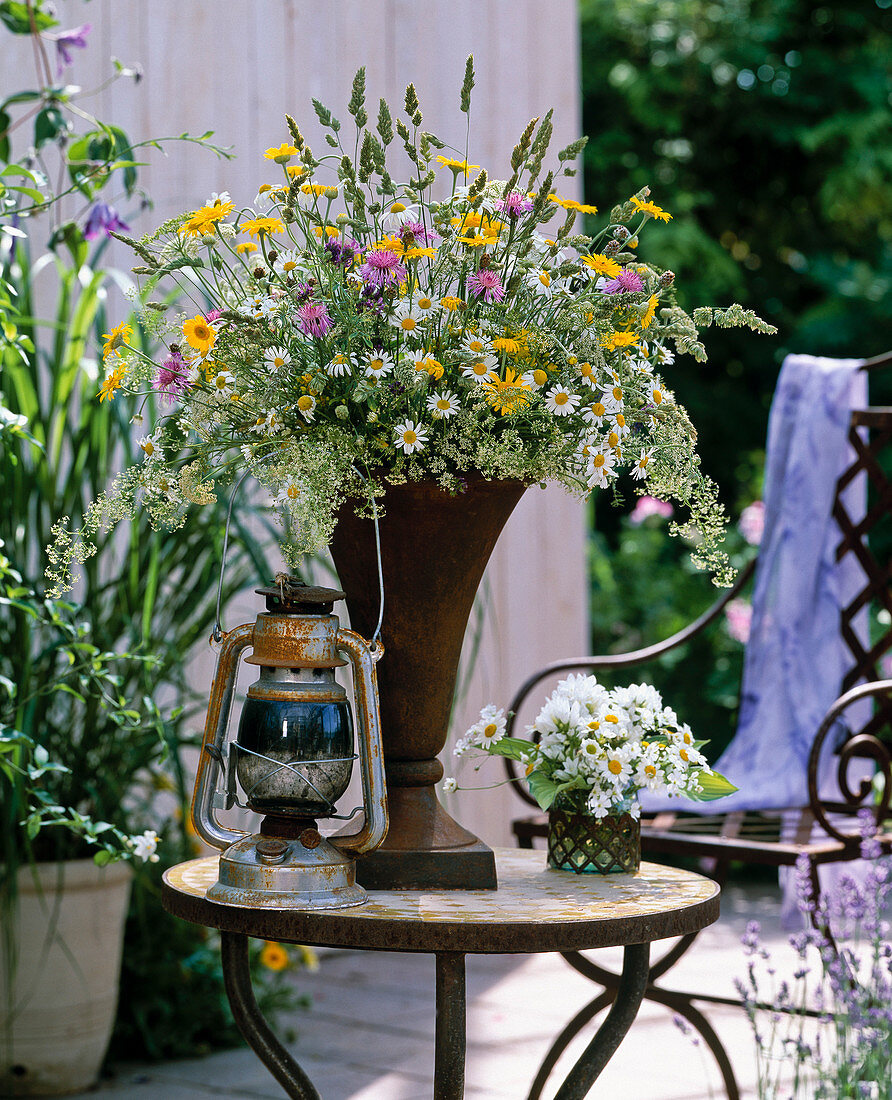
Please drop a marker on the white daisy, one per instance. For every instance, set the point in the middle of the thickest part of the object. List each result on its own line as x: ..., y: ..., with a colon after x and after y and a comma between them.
x: 149, y: 445
x: 540, y: 281
x: 639, y: 470
x: 378, y: 365
x: 587, y: 373
x: 406, y: 317
x: 443, y: 405
x: 536, y: 379
x: 223, y: 385
x: 600, y: 469
x: 306, y: 406
x: 594, y: 413
x: 561, y: 401
x: 478, y: 371
x: 656, y: 394
x: 398, y: 214
x: 410, y: 436
x: 287, y: 262
x: 427, y: 307
x: 340, y: 365
x: 276, y: 358
x: 474, y: 343
x: 618, y: 424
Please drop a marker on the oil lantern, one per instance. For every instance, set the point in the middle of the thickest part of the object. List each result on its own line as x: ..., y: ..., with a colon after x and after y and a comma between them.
x: 293, y: 755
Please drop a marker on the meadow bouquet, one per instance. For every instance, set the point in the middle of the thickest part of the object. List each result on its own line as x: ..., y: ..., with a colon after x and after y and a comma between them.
x: 346, y: 331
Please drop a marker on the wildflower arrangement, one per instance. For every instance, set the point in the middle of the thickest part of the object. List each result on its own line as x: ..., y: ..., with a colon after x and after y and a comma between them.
x: 595, y: 749
x: 347, y: 331
x: 827, y: 1033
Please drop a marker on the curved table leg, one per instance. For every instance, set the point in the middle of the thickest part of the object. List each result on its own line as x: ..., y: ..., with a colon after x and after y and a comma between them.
x: 250, y: 1022
x: 632, y: 984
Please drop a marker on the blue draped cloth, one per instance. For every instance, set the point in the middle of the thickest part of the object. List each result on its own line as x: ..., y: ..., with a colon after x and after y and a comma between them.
x: 795, y: 657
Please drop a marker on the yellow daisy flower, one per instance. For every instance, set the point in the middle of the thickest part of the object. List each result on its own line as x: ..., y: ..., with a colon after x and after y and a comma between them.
x: 274, y: 956
x: 116, y: 339
x: 282, y: 154
x: 199, y: 334
x: 113, y: 383
x: 256, y: 226
x: 650, y: 208
x: 458, y: 166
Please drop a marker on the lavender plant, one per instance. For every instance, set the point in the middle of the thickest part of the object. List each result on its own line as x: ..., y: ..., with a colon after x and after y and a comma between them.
x: 827, y: 1033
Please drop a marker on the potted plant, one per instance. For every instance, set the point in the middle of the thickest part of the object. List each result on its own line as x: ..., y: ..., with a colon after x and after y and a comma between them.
x: 418, y: 352
x: 593, y: 750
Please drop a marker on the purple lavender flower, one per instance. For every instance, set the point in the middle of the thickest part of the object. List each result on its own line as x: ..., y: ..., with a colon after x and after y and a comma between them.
x: 383, y: 268
x: 104, y: 219
x: 626, y: 282
x: 314, y: 319
x: 73, y: 39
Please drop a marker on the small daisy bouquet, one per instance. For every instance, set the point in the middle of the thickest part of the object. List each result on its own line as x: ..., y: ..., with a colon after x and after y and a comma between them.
x: 347, y: 330
x: 596, y: 749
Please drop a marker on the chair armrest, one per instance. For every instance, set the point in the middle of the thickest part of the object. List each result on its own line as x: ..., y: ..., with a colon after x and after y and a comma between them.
x: 861, y: 746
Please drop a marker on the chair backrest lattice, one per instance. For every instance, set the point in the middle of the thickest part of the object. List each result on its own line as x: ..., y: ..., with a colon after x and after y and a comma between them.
x: 870, y: 436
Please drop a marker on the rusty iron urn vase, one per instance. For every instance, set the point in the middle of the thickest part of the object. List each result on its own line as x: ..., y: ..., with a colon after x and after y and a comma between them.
x: 434, y: 549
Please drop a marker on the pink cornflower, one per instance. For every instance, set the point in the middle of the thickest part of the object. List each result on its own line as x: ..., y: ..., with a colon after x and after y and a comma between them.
x: 213, y: 315
x: 314, y: 319
x: 625, y: 281
x: 172, y: 381
x: 382, y: 268
x: 649, y: 506
x: 486, y: 284
x: 514, y: 204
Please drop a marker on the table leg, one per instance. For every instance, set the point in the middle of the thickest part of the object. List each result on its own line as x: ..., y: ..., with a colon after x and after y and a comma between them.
x: 252, y: 1025
x: 632, y: 984
x: 449, y: 1058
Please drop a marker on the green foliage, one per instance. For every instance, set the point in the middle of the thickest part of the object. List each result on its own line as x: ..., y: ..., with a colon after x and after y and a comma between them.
x: 644, y: 589
x: 763, y: 125
x: 86, y: 757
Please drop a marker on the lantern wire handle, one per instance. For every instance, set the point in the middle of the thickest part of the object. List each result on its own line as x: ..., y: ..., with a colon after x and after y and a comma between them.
x: 218, y: 632
x: 377, y: 635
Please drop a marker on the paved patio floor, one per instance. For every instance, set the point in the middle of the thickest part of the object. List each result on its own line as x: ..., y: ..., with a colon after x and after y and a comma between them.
x: 369, y: 1034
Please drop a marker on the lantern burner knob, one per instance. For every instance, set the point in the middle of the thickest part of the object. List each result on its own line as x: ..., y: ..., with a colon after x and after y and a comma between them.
x: 270, y: 850
x: 290, y: 596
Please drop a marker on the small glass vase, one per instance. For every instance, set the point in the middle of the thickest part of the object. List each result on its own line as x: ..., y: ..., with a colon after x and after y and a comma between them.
x: 585, y: 844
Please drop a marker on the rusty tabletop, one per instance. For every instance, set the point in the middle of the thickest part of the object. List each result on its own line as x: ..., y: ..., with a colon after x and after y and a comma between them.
x: 534, y: 909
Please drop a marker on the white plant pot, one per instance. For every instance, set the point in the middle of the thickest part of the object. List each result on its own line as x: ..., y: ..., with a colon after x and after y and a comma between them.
x: 56, y: 1014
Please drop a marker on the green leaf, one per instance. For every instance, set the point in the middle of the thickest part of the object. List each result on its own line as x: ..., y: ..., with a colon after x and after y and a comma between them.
x: 21, y: 97
x: 5, y: 122
x: 543, y: 789
x: 102, y: 859
x: 515, y: 748
x: 70, y: 235
x: 15, y: 16
x: 714, y: 786
x: 49, y: 124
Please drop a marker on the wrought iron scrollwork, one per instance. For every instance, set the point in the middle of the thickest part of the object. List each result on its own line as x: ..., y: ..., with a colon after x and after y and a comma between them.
x: 860, y: 747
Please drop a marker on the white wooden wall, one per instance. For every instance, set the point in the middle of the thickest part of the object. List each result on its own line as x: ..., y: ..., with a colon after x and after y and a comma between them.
x: 236, y: 67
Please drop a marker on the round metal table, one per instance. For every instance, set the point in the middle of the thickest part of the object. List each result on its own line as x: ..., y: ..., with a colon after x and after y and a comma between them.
x: 534, y: 909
